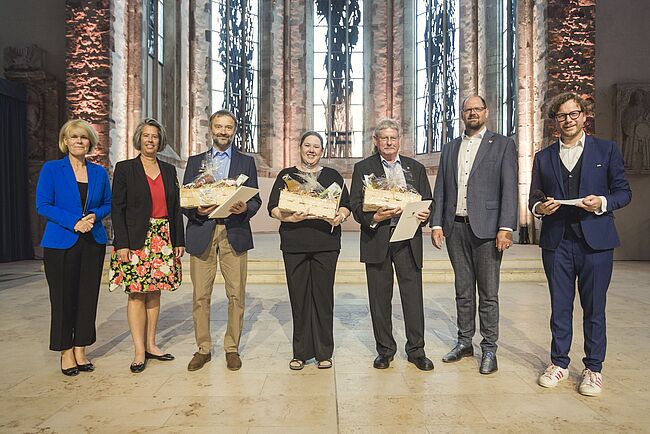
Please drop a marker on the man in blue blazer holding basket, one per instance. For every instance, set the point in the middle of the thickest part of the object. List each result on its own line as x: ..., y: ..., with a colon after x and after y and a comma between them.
x: 226, y: 241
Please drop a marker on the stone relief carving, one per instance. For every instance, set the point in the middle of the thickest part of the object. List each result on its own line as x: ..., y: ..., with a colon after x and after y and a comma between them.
x: 23, y: 58
x: 633, y: 124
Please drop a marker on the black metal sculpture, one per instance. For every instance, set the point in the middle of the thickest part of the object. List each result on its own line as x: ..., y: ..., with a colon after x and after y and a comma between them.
x: 343, y: 18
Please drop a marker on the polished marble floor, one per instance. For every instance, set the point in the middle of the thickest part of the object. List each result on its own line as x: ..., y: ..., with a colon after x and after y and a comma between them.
x: 266, y: 397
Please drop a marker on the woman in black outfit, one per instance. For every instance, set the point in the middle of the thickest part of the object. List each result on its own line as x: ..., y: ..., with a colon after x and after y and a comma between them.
x: 310, y: 248
x: 149, y: 238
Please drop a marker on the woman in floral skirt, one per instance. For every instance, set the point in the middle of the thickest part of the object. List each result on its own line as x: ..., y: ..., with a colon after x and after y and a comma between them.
x: 149, y: 239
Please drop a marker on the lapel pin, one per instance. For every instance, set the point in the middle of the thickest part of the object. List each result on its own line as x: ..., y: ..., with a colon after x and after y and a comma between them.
x: 599, y: 165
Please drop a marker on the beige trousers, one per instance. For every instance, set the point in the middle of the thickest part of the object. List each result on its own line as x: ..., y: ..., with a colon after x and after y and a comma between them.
x: 203, y: 270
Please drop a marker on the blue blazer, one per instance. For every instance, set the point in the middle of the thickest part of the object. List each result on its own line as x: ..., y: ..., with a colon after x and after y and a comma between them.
x: 198, y: 234
x: 57, y: 199
x: 602, y: 174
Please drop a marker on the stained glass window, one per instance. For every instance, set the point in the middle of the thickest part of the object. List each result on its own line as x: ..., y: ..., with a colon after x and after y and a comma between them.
x: 153, y: 61
x: 437, y: 65
x: 338, y: 76
x: 234, y: 66
x: 508, y: 88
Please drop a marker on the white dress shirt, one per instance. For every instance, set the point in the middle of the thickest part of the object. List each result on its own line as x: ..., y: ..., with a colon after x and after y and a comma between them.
x: 569, y: 155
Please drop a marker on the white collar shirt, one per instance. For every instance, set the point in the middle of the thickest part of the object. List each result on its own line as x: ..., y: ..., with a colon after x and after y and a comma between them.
x: 466, y: 155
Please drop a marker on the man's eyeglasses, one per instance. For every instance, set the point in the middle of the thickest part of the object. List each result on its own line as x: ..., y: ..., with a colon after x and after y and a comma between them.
x: 561, y: 117
x: 388, y: 139
x: 473, y: 109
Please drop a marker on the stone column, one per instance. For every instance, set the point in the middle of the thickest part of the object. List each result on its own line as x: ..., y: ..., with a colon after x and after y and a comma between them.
x: 571, y: 52
x: 88, y: 71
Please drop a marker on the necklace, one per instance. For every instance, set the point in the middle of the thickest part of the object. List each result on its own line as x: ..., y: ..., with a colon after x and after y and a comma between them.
x: 306, y: 167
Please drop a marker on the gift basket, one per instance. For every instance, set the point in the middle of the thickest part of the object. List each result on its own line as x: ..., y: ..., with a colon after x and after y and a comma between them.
x: 303, y: 193
x: 206, y: 190
x: 387, y: 191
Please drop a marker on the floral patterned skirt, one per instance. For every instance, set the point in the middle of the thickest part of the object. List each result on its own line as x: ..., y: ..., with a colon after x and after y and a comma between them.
x: 152, y: 268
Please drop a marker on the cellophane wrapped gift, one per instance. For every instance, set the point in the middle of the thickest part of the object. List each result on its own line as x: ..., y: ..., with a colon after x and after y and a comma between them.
x: 206, y: 190
x: 303, y: 193
x: 387, y: 192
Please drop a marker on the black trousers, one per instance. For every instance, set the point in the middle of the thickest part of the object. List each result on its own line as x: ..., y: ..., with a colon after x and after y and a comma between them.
x: 74, y: 276
x: 477, y: 265
x: 380, y: 294
x: 310, y: 278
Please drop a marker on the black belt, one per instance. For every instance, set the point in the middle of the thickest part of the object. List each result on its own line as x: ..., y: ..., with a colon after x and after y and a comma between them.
x: 220, y: 221
x: 462, y: 219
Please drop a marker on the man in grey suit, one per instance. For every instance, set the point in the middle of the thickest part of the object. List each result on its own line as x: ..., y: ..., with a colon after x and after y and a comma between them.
x: 475, y: 208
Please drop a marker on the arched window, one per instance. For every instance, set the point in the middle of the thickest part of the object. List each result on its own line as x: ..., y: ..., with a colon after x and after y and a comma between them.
x: 338, y: 76
x: 437, y: 65
x: 234, y: 66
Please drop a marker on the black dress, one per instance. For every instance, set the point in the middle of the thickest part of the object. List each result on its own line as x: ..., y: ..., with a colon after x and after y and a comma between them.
x: 310, y: 249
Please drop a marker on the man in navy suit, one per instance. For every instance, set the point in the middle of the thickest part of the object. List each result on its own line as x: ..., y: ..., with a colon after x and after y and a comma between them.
x: 577, y: 241
x: 225, y: 241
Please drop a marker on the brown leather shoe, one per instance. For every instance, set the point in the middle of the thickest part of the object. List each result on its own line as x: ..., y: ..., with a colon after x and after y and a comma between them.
x: 233, y: 362
x: 198, y: 361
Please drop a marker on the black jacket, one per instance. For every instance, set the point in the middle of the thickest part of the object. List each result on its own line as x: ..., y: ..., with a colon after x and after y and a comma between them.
x: 375, y: 240
x: 132, y: 204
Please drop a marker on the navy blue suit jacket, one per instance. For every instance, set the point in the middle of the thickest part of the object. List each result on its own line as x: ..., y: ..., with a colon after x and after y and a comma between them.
x: 602, y: 174
x: 57, y: 199
x: 198, y: 234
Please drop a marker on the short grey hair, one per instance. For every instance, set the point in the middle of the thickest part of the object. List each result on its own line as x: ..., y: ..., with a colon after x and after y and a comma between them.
x: 386, y: 123
x: 137, y: 135
x: 223, y: 112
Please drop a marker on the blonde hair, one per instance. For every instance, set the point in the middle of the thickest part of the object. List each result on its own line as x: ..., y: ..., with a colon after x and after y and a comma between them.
x: 77, y: 123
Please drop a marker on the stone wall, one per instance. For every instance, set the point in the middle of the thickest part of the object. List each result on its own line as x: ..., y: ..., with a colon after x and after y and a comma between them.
x: 571, y: 53
x: 622, y: 57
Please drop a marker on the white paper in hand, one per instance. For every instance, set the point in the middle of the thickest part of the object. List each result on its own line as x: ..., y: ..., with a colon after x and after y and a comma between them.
x: 408, y: 222
x: 242, y: 193
x: 573, y: 202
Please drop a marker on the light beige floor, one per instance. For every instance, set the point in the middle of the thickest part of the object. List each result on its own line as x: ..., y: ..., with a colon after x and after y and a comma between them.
x: 265, y: 396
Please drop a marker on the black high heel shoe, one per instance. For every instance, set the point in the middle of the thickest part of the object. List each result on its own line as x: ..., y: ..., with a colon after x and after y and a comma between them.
x: 70, y: 372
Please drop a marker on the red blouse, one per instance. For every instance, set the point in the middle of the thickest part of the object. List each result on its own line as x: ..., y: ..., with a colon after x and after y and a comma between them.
x: 158, y: 202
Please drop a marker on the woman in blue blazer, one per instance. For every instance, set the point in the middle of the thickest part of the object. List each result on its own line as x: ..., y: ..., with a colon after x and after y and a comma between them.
x: 74, y: 196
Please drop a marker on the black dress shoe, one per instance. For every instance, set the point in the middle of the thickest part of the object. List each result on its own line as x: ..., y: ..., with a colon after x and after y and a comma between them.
x: 488, y: 363
x: 70, y: 372
x: 86, y: 367
x: 163, y: 357
x: 382, y: 362
x: 458, y: 352
x: 423, y: 363
x: 136, y: 368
